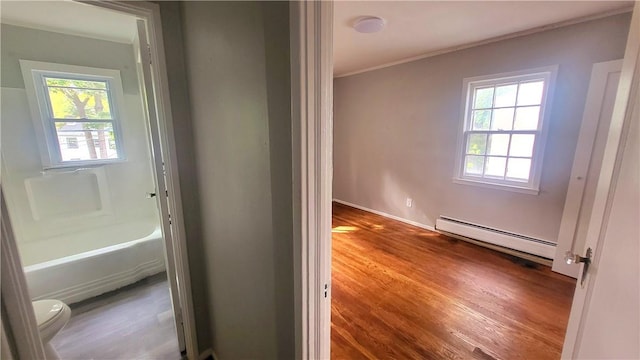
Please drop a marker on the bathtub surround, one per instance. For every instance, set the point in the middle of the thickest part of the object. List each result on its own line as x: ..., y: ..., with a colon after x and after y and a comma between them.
x: 126, y: 182
x: 395, y: 129
x: 80, y: 232
x: 117, y: 193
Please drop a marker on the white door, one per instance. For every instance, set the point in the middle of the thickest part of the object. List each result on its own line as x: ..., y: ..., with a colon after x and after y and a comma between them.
x: 161, y: 188
x: 605, y: 314
x: 587, y: 162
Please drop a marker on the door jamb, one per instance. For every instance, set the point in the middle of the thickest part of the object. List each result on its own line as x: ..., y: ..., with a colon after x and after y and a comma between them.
x: 14, y: 290
x: 311, y: 41
x: 20, y: 319
x: 581, y: 165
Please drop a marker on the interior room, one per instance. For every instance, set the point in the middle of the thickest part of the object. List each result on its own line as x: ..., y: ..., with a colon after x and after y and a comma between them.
x: 79, y: 183
x: 464, y: 167
x: 222, y: 180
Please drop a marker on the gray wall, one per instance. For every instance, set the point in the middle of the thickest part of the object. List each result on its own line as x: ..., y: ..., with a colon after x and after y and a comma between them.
x: 27, y: 44
x: 395, y: 129
x: 237, y: 70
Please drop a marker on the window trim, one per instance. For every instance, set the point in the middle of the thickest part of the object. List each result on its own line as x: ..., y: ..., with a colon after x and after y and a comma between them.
x: 33, y: 73
x: 549, y: 73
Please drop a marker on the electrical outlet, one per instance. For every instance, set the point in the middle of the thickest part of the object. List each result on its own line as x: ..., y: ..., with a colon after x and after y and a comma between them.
x: 409, y: 202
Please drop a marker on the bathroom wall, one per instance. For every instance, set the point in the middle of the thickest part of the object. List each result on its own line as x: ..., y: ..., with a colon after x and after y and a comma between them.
x: 396, y: 129
x: 122, y: 185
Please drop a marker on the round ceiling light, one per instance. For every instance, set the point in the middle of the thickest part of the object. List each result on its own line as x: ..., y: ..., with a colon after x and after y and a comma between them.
x: 369, y: 24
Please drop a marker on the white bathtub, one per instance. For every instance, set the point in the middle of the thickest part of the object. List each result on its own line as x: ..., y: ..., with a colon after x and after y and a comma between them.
x: 80, y: 266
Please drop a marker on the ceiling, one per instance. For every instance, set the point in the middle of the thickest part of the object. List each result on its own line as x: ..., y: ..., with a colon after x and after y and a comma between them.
x: 413, y: 29
x: 418, y: 28
x: 70, y: 17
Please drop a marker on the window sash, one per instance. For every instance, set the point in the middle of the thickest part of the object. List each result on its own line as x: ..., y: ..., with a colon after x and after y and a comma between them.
x: 107, y: 89
x: 490, y: 123
x: 52, y: 120
x: 485, y: 155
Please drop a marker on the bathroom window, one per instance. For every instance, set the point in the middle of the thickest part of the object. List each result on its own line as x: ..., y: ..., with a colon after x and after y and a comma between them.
x: 76, y: 113
x: 502, y: 140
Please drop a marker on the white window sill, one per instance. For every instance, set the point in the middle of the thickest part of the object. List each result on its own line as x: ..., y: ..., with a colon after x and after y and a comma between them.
x: 74, y: 165
x: 498, y: 186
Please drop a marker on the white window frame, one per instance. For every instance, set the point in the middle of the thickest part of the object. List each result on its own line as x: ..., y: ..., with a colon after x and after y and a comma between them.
x: 547, y: 73
x: 33, y: 73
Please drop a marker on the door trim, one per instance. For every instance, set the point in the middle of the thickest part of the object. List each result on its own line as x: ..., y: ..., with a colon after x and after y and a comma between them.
x: 581, y: 164
x: 151, y: 14
x: 14, y: 291
x: 620, y: 121
x: 17, y: 312
x: 312, y: 107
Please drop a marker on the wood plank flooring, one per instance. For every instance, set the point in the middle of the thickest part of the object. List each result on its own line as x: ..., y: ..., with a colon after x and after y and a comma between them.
x: 401, y: 292
x: 135, y: 322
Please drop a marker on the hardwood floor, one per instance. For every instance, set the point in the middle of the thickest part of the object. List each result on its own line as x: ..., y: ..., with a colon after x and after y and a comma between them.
x: 401, y: 292
x: 135, y: 322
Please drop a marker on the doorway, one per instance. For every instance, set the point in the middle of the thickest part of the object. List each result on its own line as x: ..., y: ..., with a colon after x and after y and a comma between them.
x: 382, y: 159
x: 85, y: 178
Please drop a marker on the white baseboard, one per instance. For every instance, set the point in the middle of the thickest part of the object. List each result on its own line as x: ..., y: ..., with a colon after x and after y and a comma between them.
x: 105, y: 284
x: 507, y: 242
x: 410, y: 222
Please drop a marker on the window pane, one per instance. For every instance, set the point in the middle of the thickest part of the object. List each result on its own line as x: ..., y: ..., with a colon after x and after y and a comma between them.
x: 530, y: 93
x: 477, y: 144
x: 481, y: 119
x: 527, y: 118
x: 483, y: 98
x: 502, y: 119
x: 75, y: 103
x: 522, y: 145
x: 518, y: 169
x: 495, y: 167
x: 498, y: 144
x: 506, y: 95
x: 93, y: 140
x: 473, y: 165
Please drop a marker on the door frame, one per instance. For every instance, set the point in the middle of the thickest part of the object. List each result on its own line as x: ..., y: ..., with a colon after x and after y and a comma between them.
x: 312, y: 92
x: 311, y: 41
x: 21, y: 320
x: 589, y: 128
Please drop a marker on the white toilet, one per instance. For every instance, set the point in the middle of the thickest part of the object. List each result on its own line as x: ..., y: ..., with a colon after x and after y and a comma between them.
x: 51, y: 316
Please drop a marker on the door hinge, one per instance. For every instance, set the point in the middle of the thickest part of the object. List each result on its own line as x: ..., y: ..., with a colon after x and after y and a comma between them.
x: 149, y: 53
x: 326, y: 287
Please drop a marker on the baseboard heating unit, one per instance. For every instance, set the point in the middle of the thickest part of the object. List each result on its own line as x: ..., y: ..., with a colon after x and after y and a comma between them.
x: 498, y: 237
